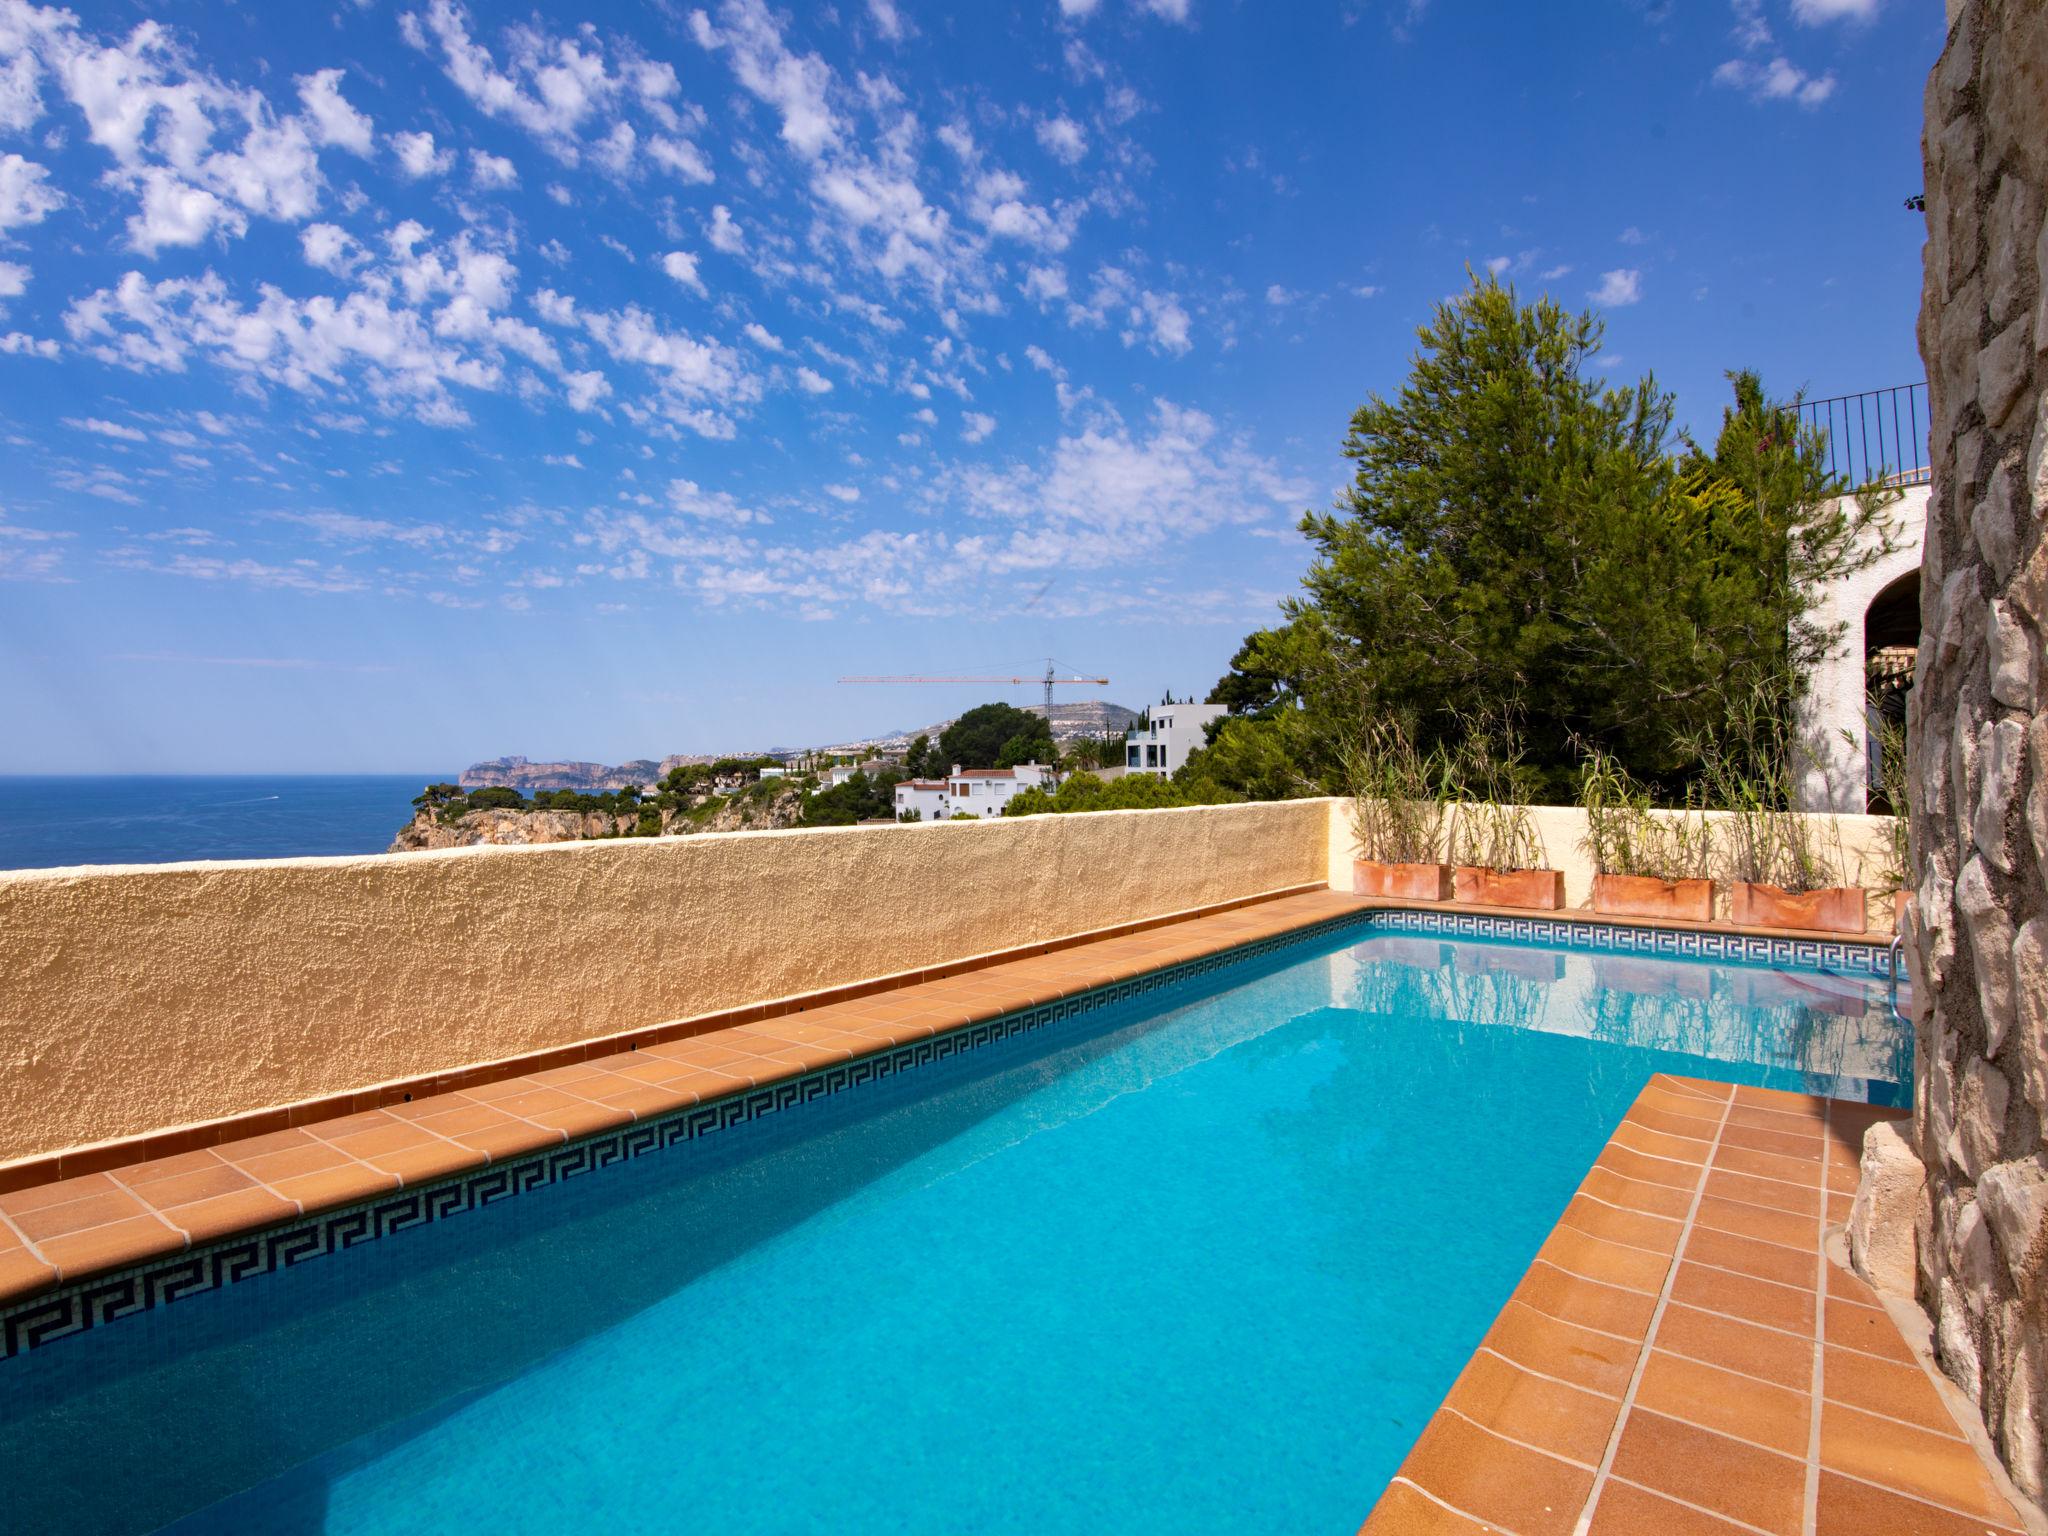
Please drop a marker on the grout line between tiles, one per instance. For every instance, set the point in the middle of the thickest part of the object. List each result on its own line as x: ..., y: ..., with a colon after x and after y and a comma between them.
x: 1635, y: 1380
x: 1810, y: 1508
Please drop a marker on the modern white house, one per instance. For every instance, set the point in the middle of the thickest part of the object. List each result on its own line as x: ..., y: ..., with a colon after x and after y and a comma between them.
x: 927, y: 797
x: 1171, y: 733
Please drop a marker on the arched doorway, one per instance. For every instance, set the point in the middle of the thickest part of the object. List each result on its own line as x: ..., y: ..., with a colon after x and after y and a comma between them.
x: 1891, y: 641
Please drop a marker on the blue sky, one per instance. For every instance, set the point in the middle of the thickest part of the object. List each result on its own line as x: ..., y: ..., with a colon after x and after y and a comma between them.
x: 386, y: 386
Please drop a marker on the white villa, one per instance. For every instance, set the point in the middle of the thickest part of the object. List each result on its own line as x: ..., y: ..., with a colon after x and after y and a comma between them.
x: 1172, y: 732
x: 974, y: 791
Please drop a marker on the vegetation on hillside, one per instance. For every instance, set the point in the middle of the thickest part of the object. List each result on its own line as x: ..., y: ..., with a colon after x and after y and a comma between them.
x: 995, y: 736
x: 1520, y: 536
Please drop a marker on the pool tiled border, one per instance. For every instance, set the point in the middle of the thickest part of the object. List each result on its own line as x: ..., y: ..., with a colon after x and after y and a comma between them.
x: 183, y: 1225
x: 1683, y: 1357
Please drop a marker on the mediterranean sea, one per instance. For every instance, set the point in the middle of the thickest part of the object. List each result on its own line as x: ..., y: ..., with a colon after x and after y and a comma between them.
x: 46, y: 822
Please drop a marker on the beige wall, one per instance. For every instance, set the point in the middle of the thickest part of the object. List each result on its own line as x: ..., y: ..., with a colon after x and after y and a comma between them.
x: 138, y: 999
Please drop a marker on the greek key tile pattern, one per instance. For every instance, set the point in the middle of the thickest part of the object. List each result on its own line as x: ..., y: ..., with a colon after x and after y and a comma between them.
x: 72, y: 1309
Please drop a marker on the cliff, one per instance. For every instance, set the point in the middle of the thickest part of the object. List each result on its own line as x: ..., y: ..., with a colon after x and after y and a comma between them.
x: 702, y: 813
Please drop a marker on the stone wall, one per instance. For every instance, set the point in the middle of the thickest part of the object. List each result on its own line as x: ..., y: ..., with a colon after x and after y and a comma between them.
x: 1978, y: 728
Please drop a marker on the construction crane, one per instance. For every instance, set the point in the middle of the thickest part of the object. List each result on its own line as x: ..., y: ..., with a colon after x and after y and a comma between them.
x: 1050, y: 680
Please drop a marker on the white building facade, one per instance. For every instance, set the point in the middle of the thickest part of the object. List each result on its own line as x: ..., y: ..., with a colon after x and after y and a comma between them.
x: 1172, y: 732
x: 927, y: 797
x: 1873, y: 610
x: 985, y: 791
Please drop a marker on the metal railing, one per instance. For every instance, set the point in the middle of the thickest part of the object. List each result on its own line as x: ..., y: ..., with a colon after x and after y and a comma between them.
x: 1879, y: 435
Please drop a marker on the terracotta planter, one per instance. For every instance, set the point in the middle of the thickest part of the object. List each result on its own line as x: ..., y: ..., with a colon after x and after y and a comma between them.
x: 1402, y: 882
x: 1684, y: 901
x: 1838, y: 909
x: 1539, y: 888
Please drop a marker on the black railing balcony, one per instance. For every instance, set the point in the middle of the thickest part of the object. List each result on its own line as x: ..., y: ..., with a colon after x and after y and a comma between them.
x: 1877, y: 436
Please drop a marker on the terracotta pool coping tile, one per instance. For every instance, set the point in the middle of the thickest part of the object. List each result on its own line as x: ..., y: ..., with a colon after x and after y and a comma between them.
x: 1580, y: 1357
x: 18, y: 1203
x: 1937, y: 1469
x: 1747, y: 1256
x: 223, y: 1178
x: 1734, y: 1345
x: 1730, y: 1477
x: 221, y: 1215
x: 1496, y: 1480
x: 1658, y: 1235
x: 328, y: 1188
x: 1778, y: 1418
x: 1783, y: 1307
x: 1869, y: 1329
x: 1801, y: 1200
x: 1405, y: 1510
x: 1545, y: 1414
x: 1592, y: 1258
x: 1626, y: 1510
x: 1882, y: 1387
x: 434, y: 1159
x: 1604, y: 1184
x: 1849, y: 1508
x: 23, y: 1274
x: 1757, y: 1385
x: 46, y: 1222
x: 1801, y: 1172
x: 131, y: 1240
x: 1640, y: 1169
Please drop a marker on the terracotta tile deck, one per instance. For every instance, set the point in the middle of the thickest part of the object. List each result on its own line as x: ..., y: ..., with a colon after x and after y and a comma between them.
x: 65, y: 1229
x: 1682, y: 1357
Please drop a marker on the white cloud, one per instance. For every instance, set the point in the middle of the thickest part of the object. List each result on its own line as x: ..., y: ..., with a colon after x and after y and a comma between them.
x: 13, y: 279
x: 1172, y: 10
x: 492, y: 171
x: 888, y: 20
x: 418, y: 158
x: 1280, y: 297
x: 1045, y: 283
x: 682, y: 266
x: 21, y: 344
x: 1778, y: 80
x: 762, y: 337
x: 975, y: 426
x: 813, y: 382
x: 24, y: 197
x: 1078, y: 7
x: 846, y: 493
x: 1814, y: 13
x: 680, y: 157
x: 1631, y: 236
x: 1369, y: 290
x: 562, y: 460
x: 1063, y: 139
x: 1620, y: 287
x: 331, y: 248
x: 794, y: 85
x: 722, y: 233
x: 103, y: 428
x: 334, y: 121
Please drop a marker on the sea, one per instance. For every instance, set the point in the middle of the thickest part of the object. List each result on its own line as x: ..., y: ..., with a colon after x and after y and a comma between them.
x: 51, y: 822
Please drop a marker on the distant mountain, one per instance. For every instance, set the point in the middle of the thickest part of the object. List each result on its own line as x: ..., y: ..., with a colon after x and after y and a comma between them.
x: 1087, y: 717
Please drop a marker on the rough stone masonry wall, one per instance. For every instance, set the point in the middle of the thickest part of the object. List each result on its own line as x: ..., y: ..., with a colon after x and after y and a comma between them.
x: 1979, y: 728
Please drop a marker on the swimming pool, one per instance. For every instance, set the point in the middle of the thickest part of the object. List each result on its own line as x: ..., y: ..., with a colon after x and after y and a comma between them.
x: 1207, y: 1259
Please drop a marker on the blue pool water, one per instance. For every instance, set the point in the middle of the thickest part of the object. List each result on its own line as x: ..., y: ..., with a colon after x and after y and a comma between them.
x: 1205, y: 1261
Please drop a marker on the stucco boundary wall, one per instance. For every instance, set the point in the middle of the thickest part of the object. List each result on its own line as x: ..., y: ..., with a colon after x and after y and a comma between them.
x: 139, y: 999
